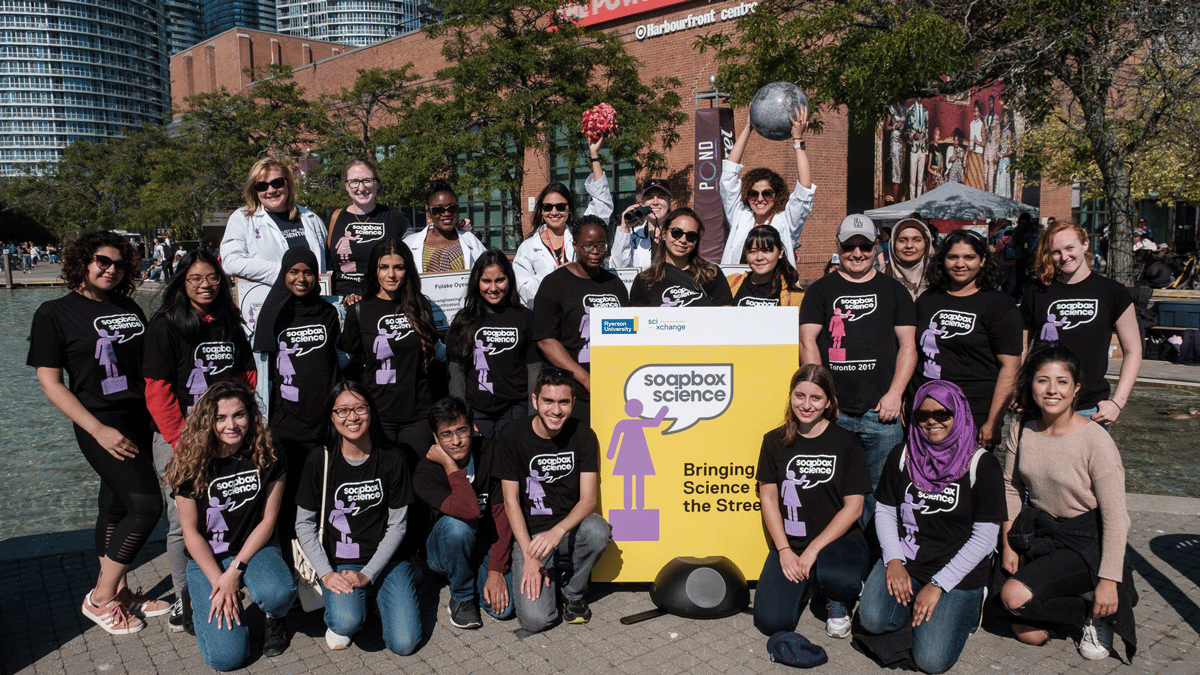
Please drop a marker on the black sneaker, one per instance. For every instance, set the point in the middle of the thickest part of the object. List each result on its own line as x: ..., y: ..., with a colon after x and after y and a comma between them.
x: 175, y: 622
x: 275, y: 640
x: 187, y: 613
x: 577, y: 611
x: 464, y: 614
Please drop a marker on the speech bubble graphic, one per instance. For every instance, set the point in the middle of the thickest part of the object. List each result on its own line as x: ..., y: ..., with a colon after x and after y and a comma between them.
x: 817, y: 469
x: 1074, y: 312
x: 953, y: 322
x: 942, y: 502
x: 758, y: 302
x: 557, y: 465
x: 365, y: 233
x: 857, y: 306
x: 601, y: 300
x: 217, y: 355
x: 363, y: 494
x: 395, y: 323
x: 500, y: 339
x: 679, y: 296
x: 693, y: 391
x: 241, y: 487
x: 304, y: 338
x: 127, y: 326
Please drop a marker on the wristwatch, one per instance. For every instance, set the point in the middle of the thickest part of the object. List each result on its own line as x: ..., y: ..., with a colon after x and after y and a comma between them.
x: 238, y: 565
x: 937, y: 585
x: 797, y: 144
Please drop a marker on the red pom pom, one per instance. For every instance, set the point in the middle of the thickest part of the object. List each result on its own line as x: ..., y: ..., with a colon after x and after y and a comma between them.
x: 599, y: 120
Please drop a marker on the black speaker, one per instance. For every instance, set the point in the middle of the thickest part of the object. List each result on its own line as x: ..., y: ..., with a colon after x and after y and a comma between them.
x: 701, y: 588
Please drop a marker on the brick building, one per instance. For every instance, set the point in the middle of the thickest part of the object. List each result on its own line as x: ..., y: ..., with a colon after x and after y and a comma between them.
x: 846, y: 165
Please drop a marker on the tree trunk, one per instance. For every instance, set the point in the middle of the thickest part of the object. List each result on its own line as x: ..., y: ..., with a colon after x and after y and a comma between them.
x: 1118, y: 216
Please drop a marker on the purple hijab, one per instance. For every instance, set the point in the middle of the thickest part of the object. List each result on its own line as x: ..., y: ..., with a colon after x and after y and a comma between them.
x: 932, y: 465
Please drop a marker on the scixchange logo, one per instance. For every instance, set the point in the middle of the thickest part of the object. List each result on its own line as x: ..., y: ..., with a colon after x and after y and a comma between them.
x: 619, y: 326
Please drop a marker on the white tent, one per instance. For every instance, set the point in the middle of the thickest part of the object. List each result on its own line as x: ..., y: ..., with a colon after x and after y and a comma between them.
x: 955, y: 201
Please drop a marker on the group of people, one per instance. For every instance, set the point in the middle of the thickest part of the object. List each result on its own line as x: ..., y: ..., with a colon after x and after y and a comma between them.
x: 26, y: 255
x: 360, y: 463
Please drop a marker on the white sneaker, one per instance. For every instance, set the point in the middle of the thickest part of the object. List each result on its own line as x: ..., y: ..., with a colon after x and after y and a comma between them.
x: 336, y: 642
x: 1096, y: 641
x: 838, y: 623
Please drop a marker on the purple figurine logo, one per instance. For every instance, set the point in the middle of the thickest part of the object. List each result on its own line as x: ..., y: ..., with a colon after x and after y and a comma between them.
x: 215, y: 524
x: 113, y: 330
x: 792, y: 525
x: 846, y: 309
x: 543, y: 470
x: 1050, y: 328
x: 929, y: 345
x: 812, y: 470
x: 351, y: 500
x: 490, y: 342
x: 356, y: 236
x: 944, y: 325
x: 391, y: 329
x: 208, y: 359
x: 226, y: 495
x: 927, y: 504
x: 633, y: 461
x: 294, y: 343
x: 585, y: 324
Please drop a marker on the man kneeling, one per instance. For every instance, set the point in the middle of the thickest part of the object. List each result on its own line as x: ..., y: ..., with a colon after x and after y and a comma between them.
x: 548, y: 467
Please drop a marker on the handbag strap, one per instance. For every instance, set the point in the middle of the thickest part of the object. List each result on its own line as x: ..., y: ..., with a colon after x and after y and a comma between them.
x: 324, y: 486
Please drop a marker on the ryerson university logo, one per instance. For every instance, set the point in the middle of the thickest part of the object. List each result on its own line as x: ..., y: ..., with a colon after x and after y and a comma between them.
x: 691, y: 391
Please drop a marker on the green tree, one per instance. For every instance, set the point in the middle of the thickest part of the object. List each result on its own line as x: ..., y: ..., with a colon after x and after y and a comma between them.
x: 517, y: 77
x: 1114, y: 63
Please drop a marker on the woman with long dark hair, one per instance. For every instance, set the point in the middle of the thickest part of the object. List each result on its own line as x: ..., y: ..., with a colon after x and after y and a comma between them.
x: 490, y: 346
x: 95, y: 334
x: 970, y: 331
x: 195, y: 339
x: 227, y: 482
x: 446, y: 244
x: 392, y: 333
x: 358, y: 486
x: 771, y: 281
x: 678, y: 276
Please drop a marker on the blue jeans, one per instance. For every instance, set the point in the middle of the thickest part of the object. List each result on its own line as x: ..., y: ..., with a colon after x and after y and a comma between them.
x: 395, y: 595
x: 938, y: 642
x: 269, y: 582
x: 450, y: 551
x: 838, y: 571
x: 878, y: 439
x: 489, y: 426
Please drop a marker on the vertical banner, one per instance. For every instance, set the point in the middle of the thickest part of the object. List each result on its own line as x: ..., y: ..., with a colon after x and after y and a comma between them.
x: 681, y: 398
x: 714, y: 139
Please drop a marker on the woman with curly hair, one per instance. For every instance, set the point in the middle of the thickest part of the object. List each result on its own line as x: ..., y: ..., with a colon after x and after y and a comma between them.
x: 392, y: 334
x: 770, y: 281
x: 94, y: 333
x: 970, y: 330
x: 678, y: 276
x: 1071, y: 305
x: 228, y: 484
x: 760, y: 200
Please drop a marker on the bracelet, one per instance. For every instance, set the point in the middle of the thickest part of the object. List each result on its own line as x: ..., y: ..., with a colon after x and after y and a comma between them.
x: 595, y: 159
x: 798, y: 144
x: 1116, y: 404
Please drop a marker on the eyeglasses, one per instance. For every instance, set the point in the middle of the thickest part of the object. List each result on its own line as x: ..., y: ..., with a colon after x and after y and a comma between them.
x: 104, y: 262
x: 343, y: 413
x: 865, y: 248
x: 196, y: 279
x: 679, y: 233
x: 766, y: 194
x: 940, y: 416
x: 278, y: 184
x: 548, y: 207
x: 593, y: 248
x: 355, y: 183
x: 439, y: 210
x: 451, y: 434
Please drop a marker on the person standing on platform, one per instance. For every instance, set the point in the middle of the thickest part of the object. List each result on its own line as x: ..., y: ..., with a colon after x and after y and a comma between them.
x: 355, y: 229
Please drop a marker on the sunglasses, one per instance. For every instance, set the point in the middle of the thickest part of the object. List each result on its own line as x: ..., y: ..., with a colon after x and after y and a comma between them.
x: 940, y: 416
x: 560, y: 207
x: 439, y: 210
x: 865, y: 248
x: 766, y: 194
x: 104, y: 262
x: 678, y: 233
x: 278, y: 184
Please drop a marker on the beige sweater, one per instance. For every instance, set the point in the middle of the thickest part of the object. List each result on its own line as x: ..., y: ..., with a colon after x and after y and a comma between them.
x: 1070, y: 475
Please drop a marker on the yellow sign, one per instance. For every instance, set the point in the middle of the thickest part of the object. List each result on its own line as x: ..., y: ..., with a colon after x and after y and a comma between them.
x: 681, y: 398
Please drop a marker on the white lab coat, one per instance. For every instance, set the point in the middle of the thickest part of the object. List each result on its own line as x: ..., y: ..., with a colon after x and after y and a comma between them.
x: 789, y: 222
x: 472, y: 248
x: 253, y: 246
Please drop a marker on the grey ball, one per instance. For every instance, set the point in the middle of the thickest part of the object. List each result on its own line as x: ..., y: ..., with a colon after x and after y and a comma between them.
x: 771, y: 108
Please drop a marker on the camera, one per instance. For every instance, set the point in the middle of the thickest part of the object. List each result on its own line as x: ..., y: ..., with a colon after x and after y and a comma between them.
x: 637, y: 215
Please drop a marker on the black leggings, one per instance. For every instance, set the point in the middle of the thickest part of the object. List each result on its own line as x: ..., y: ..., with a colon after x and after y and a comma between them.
x: 129, y: 502
x: 1057, y: 581
x: 296, y: 452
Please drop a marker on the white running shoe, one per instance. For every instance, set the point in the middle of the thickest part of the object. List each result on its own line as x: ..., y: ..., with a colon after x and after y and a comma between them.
x: 1097, y: 640
x: 336, y: 642
x: 838, y: 623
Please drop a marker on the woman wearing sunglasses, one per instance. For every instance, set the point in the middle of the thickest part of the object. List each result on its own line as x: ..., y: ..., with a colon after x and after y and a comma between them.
x: 446, y: 244
x: 760, y: 199
x: 551, y: 244
x: 355, y: 229
x: 256, y: 236
x: 94, y: 333
x: 678, y: 276
x: 939, y: 506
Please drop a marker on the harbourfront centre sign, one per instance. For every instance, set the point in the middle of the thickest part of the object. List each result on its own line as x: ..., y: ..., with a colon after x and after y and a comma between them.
x: 600, y: 11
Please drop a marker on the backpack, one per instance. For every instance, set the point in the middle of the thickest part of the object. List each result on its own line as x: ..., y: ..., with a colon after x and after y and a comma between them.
x: 974, y: 460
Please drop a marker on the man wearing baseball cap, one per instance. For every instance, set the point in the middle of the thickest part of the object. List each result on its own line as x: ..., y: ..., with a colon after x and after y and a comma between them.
x: 632, y: 245
x: 862, y: 326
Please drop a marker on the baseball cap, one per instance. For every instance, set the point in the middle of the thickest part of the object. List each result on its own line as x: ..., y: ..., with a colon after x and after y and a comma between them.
x: 656, y: 184
x: 856, y: 225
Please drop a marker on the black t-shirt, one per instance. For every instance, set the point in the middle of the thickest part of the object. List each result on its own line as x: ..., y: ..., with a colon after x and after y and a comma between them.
x: 303, y: 370
x: 357, y: 500
x: 677, y: 288
x: 1084, y: 317
x: 751, y: 294
x: 351, y: 241
x: 824, y: 470
x: 562, y: 309
x: 232, y: 505
x: 502, y: 347
x: 98, y: 344
x: 393, y: 362
x: 965, y: 335
x: 547, y: 469
x: 292, y: 230
x: 193, y: 367
x: 936, y: 526
x: 858, y: 339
